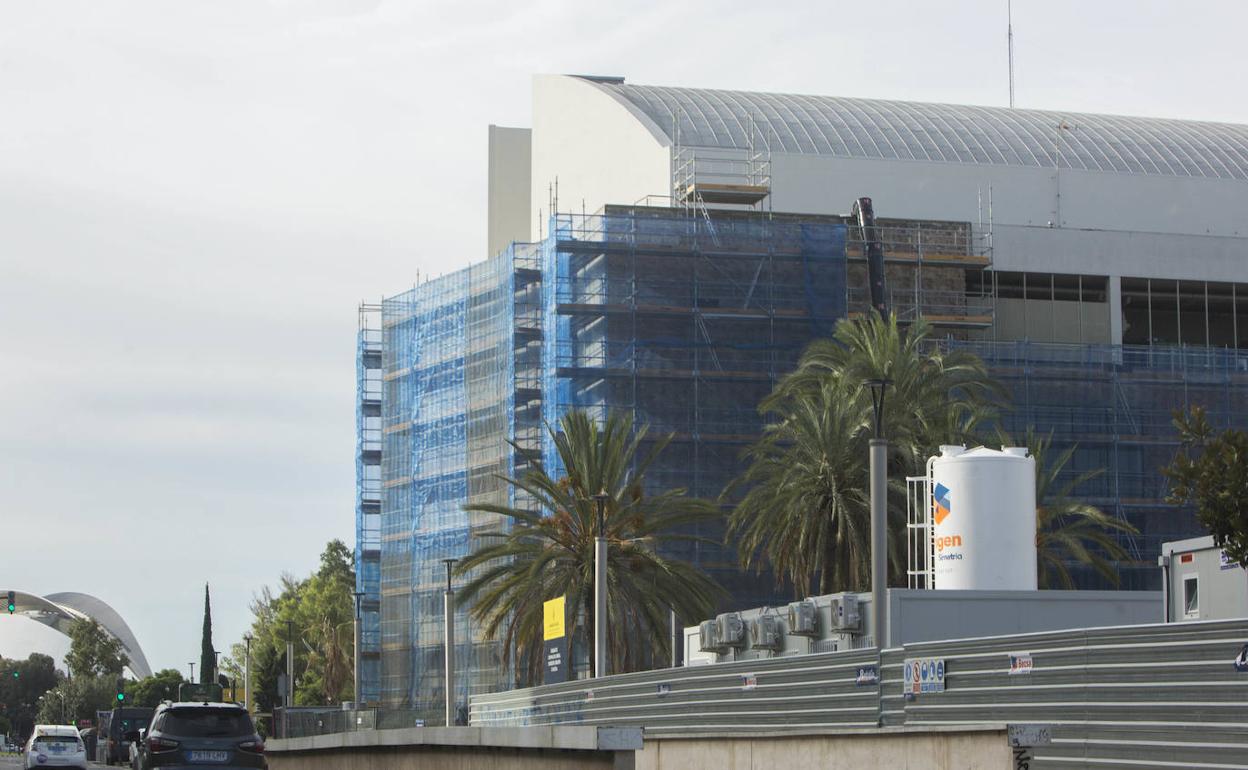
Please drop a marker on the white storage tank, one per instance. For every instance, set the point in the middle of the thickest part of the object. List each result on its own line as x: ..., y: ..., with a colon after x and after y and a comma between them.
x: 984, y: 517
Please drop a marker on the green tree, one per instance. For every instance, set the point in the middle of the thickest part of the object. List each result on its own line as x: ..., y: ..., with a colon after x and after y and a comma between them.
x: 207, y: 656
x: 320, y: 612
x: 805, y: 510
x: 77, y: 698
x: 163, y: 685
x: 93, y: 651
x: 1069, y: 530
x: 546, y: 550
x: 20, y: 694
x: 1210, y: 472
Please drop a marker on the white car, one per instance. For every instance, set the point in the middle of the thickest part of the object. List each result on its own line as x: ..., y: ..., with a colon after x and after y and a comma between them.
x: 55, y: 746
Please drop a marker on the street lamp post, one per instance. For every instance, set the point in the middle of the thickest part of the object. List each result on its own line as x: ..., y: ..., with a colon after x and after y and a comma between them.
x: 600, y: 586
x: 449, y: 642
x: 290, y: 678
x: 879, y: 521
x: 192, y: 665
x: 247, y: 674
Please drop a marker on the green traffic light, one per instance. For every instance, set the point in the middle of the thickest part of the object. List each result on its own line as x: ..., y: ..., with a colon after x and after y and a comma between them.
x: 121, y: 696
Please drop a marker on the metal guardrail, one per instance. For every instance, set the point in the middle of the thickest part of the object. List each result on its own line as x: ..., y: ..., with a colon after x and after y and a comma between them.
x: 1159, y: 695
x: 793, y: 692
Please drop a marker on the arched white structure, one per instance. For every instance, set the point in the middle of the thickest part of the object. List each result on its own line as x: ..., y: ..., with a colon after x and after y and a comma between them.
x: 60, y: 610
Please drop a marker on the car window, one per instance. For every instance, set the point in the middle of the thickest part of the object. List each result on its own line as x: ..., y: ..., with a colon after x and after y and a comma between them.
x: 48, y: 740
x: 206, y: 723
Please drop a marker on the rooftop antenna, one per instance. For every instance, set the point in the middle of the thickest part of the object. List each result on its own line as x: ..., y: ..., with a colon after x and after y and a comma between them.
x: 1009, y: 38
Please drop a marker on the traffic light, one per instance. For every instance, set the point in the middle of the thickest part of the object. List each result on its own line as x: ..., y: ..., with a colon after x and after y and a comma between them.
x: 17, y: 674
x: 121, y: 690
x: 12, y: 602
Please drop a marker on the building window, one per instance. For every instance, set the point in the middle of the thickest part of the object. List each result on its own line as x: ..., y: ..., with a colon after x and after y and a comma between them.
x: 1191, y: 596
x: 1158, y: 311
x: 1050, y: 307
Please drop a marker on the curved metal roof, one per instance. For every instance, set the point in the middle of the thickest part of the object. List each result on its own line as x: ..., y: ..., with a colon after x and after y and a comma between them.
x: 59, y: 611
x: 949, y: 133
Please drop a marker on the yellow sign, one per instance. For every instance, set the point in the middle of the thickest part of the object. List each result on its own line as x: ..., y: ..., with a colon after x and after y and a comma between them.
x: 552, y: 617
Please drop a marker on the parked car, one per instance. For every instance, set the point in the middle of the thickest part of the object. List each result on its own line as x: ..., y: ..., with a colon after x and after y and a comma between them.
x: 117, y: 730
x: 55, y: 746
x: 218, y: 734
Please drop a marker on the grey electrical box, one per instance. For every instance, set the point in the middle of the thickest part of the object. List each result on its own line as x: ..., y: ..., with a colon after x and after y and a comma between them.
x: 730, y: 629
x: 804, y: 618
x: 708, y: 636
x: 766, y: 633
x: 845, y: 615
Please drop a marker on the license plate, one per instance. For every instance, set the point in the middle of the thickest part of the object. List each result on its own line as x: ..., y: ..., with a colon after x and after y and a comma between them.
x: 209, y: 756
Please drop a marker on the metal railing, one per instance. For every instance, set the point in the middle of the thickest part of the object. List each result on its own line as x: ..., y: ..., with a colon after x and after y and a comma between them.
x: 1156, y: 694
x: 301, y: 723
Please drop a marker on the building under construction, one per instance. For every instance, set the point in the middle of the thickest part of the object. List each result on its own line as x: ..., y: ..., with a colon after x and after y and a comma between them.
x: 1006, y: 230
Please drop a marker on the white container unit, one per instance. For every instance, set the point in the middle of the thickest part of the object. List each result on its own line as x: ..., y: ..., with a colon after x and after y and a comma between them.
x: 983, y: 519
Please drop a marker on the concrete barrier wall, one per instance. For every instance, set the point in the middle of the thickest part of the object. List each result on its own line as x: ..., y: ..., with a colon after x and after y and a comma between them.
x: 574, y: 748
x: 440, y: 758
x: 892, y: 749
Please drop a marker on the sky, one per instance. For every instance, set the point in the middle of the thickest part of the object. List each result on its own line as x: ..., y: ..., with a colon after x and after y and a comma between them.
x: 196, y: 196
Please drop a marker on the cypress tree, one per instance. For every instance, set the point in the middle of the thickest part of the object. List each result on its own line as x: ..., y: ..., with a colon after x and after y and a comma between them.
x: 207, y: 661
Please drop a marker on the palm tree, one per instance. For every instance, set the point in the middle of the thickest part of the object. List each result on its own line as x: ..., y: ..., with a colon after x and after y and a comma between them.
x: 934, y: 396
x: 548, y: 551
x: 806, y: 510
x: 806, y: 506
x: 1068, y: 529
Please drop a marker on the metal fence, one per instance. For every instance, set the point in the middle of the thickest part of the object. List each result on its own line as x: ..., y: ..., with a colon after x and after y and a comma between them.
x: 1157, y: 695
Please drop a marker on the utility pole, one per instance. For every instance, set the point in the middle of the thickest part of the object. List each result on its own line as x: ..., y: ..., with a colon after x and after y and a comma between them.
x: 247, y: 674
x: 355, y: 667
x: 879, y: 522
x: 192, y: 665
x: 449, y: 643
x: 600, y: 587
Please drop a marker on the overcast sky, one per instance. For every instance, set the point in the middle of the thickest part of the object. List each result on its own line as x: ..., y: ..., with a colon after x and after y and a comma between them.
x: 195, y: 196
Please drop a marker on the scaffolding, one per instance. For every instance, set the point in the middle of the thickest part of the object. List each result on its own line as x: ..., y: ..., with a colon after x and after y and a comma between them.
x: 1115, y: 404
x: 447, y: 412
x: 688, y: 322
x: 368, y: 446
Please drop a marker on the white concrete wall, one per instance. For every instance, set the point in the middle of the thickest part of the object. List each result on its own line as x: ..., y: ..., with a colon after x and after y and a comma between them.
x: 600, y: 151
x: 934, y: 749
x: 509, y: 187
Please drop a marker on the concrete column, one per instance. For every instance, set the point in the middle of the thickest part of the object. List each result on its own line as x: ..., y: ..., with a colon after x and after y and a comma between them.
x: 355, y: 664
x: 449, y: 599
x: 1114, y: 290
x: 879, y: 540
x: 600, y: 606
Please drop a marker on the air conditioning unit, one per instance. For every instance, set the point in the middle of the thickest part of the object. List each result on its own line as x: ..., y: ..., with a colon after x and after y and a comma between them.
x: 730, y: 629
x: 804, y: 618
x: 845, y: 615
x: 708, y: 636
x: 766, y: 633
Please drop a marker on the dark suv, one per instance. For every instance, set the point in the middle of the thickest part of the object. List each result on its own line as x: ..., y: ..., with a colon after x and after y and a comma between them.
x: 196, y: 734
